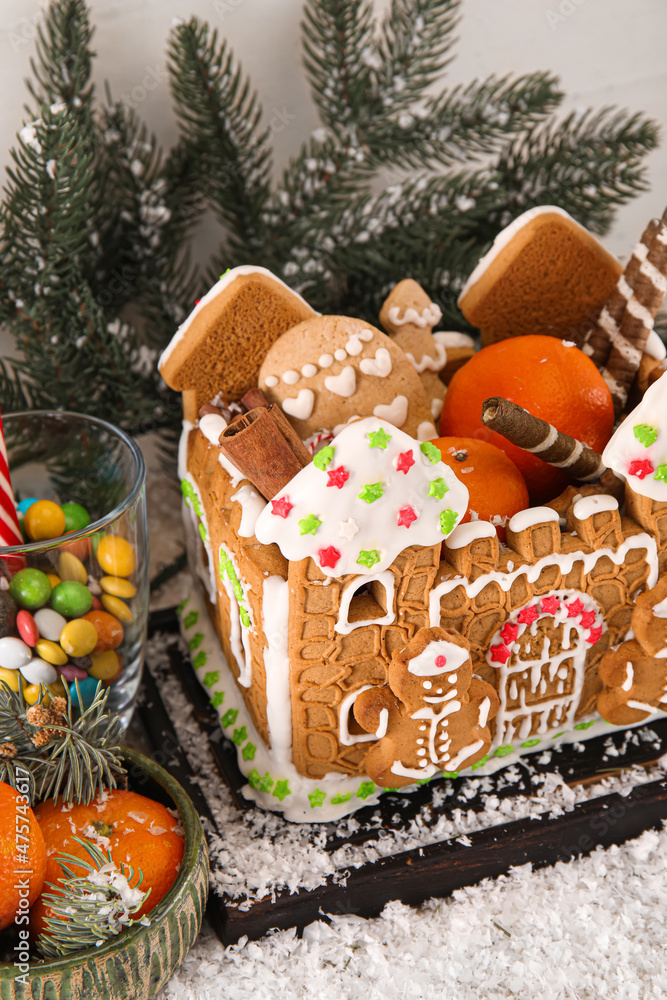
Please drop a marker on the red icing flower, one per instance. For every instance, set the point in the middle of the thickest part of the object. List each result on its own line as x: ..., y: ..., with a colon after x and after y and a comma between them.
x: 329, y: 556
x: 528, y: 616
x: 406, y: 516
x: 640, y: 467
x: 588, y: 619
x: 550, y: 605
x: 338, y: 477
x: 574, y: 608
x: 509, y: 632
x: 404, y: 462
x: 440, y: 662
x: 282, y: 507
x: 594, y: 635
x: 500, y: 653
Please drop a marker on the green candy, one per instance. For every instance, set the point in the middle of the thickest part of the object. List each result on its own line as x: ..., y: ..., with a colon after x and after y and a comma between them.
x: 30, y: 588
x: 76, y: 516
x: 71, y: 599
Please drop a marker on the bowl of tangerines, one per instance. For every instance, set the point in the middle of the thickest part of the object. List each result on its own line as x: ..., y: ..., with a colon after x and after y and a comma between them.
x: 103, y: 863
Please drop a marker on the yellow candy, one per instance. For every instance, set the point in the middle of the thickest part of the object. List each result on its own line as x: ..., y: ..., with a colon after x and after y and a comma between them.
x: 117, y: 587
x: 44, y: 519
x: 55, y: 690
x: 12, y: 677
x: 31, y: 694
x: 79, y: 637
x: 71, y: 568
x: 105, y: 665
x: 54, y: 579
x: 116, y: 607
x: 51, y: 652
x: 115, y: 555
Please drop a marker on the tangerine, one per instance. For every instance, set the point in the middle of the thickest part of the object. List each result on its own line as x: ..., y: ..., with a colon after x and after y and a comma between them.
x: 22, y: 849
x: 496, y: 488
x: 138, y: 832
x: 546, y: 376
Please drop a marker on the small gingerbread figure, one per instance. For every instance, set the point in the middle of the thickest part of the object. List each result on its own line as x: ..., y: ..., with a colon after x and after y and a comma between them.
x: 432, y: 715
x: 635, y: 685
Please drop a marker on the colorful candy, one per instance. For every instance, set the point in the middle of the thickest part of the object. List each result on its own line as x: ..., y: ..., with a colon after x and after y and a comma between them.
x: 10, y: 677
x: 27, y: 627
x: 79, y: 637
x: 109, y: 630
x: 70, y: 567
x: 76, y: 516
x: 14, y: 653
x: 50, y: 623
x: 116, y: 555
x: 44, y: 519
x: 117, y: 587
x: 38, y: 671
x: 30, y: 588
x: 118, y: 608
x: 71, y: 599
x: 52, y: 652
x: 105, y: 666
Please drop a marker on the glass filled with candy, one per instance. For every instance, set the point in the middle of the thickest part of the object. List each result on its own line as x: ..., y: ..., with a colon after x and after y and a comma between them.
x: 74, y: 594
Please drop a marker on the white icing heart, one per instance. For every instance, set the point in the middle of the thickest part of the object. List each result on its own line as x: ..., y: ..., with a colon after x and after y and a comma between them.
x: 426, y: 430
x: 380, y: 365
x: 343, y: 384
x: 395, y: 412
x: 300, y: 406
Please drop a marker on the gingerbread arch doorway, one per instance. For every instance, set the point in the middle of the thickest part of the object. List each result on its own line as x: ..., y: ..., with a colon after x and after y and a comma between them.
x: 539, y: 656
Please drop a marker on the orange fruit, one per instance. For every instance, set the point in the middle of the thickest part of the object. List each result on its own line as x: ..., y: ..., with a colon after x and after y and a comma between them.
x: 558, y: 383
x: 496, y: 488
x: 141, y: 833
x: 22, y: 849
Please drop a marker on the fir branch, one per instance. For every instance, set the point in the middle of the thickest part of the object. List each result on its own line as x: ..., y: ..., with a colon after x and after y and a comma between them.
x: 62, y: 69
x: 85, y: 910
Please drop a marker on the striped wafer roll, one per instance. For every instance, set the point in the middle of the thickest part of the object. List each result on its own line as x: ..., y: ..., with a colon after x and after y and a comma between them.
x: 541, y: 439
x: 598, y: 342
x: 10, y: 532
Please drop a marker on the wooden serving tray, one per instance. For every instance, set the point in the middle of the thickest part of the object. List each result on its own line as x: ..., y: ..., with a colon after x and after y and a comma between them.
x: 433, y: 870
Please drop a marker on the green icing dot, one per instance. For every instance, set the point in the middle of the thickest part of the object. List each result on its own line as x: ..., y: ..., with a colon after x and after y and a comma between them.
x: 585, y: 725
x: 371, y: 492
x: 438, y: 488
x: 561, y: 733
x: 211, y: 678
x: 447, y: 520
x: 337, y: 800
x: 446, y: 774
x: 479, y: 763
x: 503, y: 751
x: 645, y: 434
x: 365, y: 789
x: 661, y: 472
x: 309, y: 525
x: 249, y: 751
x: 431, y: 451
x: 196, y: 641
x: 239, y: 736
x: 202, y: 532
x: 266, y: 783
x: 317, y: 798
x: 253, y: 778
x: 368, y: 557
x: 200, y: 660
x: 282, y: 789
x: 244, y: 616
x: 218, y: 699
x: 191, y: 619
x: 530, y: 743
x: 181, y: 607
x: 324, y: 457
x: 379, y: 439
x: 229, y: 718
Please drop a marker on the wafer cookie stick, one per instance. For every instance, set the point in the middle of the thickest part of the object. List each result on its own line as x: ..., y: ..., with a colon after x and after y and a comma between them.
x: 541, y: 439
x: 605, y: 331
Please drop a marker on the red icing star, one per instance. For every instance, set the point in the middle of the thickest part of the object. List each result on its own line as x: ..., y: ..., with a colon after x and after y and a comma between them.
x: 574, y: 608
x: 640, y: 467
x: 509, y: 632
x: 550, y: 605
x: 594, y: 635
x: 329, y: 556
x: 404, y: 462
x: 440, y: 662
x: 406, y: 516
x: 500, y: 653
x: 338, y: 477
x: 528, y: 616
x: 282, y: 507
x: 588, y: 619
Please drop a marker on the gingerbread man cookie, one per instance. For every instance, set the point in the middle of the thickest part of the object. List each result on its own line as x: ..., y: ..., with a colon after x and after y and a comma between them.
x: 408, y: 316
x: 331, y: 369
x: 431, y: 716
x: 635, y: 685
x: 649, y: 620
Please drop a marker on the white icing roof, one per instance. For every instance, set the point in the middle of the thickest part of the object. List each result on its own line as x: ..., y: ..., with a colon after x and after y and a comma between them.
x: 409, y: 500
x: 638, y: 450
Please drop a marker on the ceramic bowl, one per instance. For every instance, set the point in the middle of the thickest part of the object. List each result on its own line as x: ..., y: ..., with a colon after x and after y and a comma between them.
x: 138, y: 962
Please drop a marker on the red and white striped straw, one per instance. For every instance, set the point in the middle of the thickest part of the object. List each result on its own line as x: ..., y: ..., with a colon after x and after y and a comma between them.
x: 10, y: 531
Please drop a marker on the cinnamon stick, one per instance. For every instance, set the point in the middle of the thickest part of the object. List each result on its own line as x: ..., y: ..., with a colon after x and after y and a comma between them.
x: 265, y: 448
x: 541, y: 439
x: 254, y: 397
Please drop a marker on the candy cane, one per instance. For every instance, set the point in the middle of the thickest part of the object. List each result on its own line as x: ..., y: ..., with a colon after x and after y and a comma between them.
x: 10, y: 531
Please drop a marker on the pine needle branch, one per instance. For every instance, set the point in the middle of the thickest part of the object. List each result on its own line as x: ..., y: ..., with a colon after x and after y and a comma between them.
x: 62, y: 69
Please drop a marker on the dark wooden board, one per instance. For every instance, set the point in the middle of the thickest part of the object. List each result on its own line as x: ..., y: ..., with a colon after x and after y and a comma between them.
x: 437, y: 869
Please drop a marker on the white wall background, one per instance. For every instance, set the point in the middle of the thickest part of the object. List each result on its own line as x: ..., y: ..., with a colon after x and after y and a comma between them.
x: 605, y: 52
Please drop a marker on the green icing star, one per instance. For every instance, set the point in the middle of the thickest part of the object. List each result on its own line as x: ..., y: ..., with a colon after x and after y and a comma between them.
x: 196, y: 641
x: 503, y: 751
x: 447, y: 520
x: 371, y: 492
x: 309, y: 525
x: 438, y: 488
x: 585, y: 725
x: 365, y: 789
x: 317, y: 798
x: 218, y: 699
x: 181, y: 607
x: 282, y: 789
x: 266, y: 783
x: 324, y: 457
x: 530, y: 743
x: 432, y: 452
x: 445, y: 774
x: 191, y: 619
x: 337, y: 800
x: 211, y: 678
x: 254, y: 778
x: 479, y: 763
x: 200, y: 660
x: 645, y: 434
x: 249, y: 751
x: 661, y: 473
x: 229, y: 718
x: 368, y: 557
x: 379, y: 439
x: 239, y: 736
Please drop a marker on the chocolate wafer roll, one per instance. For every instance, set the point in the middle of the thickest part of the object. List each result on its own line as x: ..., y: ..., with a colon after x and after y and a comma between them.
x: 541, y: 439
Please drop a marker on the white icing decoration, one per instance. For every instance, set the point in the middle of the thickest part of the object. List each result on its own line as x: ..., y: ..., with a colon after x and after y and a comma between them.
x: 252, y: 505
x: 435, y: 364
x: 300, y: 406
x: 380, y: 365
x: 377, y: 521
x: 309, y: 370
x: 182, y: 464
x: 424, y: 664
x: 344, y: 384
x: 382, y: 724
x: 484, y: 709
x: 395, y: 412
x: 456, y: 763
x: 531, y: 517
x: 340, y: 354
x: 436, y: 407
x: 654, y: 347
x: 624, y: 448
x: 348, y: 529
x: 426, y: 431
x: 275, y: 605
x: 212, y: 425
x: 466, y: 534
x: 429, y: 316
x: 354, y: 345
x: 386, y: 579
x: 270, y: 381
x: 629, y: 676
x: 660, y: 609
x: 588, y: 506
x: 290, y: 377
x: 642, y: 706
x: 326, y: 361
x: 344, y: 734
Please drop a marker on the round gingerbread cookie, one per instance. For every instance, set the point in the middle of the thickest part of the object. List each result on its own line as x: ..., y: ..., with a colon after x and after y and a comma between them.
x: 330, y: 369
